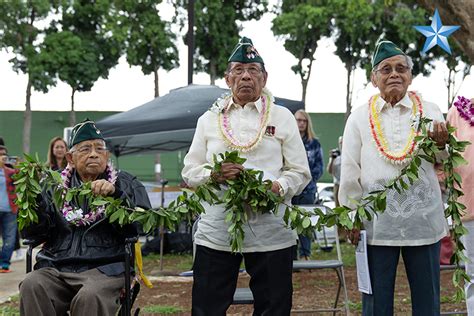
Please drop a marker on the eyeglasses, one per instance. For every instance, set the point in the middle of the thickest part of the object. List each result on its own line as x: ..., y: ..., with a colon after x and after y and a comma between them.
x: 88, y: 149
x: 386, y: 70
x: 301, y: 120
x: 251, y: 70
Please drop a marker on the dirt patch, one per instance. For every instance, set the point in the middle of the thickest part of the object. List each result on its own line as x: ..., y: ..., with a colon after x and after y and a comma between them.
x: 312, y: 289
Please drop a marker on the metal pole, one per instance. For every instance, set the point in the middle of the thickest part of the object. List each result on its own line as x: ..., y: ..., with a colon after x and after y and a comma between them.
x: 190, y: 41
x: 162, y: 229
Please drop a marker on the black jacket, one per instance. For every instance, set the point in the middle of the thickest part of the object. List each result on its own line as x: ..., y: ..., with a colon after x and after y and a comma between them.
x: 71, y: 248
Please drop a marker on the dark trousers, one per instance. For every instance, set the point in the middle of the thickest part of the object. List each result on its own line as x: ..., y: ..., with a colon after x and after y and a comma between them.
x: 215, y: 280
x: 305, y: 241
x: 422, y: 268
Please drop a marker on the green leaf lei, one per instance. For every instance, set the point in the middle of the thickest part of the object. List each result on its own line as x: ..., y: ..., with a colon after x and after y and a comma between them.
x: 250, y: 193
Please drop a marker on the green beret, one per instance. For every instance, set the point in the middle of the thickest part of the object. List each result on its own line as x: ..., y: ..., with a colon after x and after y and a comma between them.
x: 86, y: 130
x: 245, y: 52
x: 383, y: 50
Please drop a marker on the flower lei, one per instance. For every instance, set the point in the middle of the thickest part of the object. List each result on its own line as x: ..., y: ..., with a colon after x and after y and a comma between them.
x: 381, y: 142
x: 226, y: 128
x: 74, y: 215
x: 465, y: 109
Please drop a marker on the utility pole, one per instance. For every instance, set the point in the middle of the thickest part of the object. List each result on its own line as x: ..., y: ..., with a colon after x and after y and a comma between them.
x: 190, y: 41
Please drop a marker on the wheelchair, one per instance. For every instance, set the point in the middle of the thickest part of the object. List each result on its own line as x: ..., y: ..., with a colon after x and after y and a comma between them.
x: 128, y: 294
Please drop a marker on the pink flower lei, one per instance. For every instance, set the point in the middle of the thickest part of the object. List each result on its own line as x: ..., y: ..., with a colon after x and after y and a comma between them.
x: 74, y: 215
x: 465, y: 109
x: 226, y: 128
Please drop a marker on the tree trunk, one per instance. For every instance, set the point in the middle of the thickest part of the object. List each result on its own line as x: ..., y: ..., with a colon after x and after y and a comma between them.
x: 72, y: 114
x: 212, y: 72
x: 304, y: 85
x: 450, y: 86
x: 27, y: 119
x: 157, y: 89
x: 305, y: 81
x: 348, y: 92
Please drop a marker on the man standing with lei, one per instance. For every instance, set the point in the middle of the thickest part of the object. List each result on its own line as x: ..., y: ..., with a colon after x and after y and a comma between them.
x: 80, y: 267
x: 378, y: 139
x: 267, y: 136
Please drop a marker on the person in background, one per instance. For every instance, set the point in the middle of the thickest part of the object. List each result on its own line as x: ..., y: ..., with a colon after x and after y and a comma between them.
x: 462, y: 117
x: 57, y: 154
x: 8, y: 209
x: 314, y: 153
x: 334, y: 168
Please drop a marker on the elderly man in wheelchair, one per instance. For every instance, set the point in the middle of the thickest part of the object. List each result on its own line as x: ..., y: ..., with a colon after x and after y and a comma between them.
x: 80, y: 268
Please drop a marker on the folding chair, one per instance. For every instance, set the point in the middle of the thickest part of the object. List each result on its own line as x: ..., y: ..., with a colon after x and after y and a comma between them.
x: 326, y: 237
x: 129, y: 294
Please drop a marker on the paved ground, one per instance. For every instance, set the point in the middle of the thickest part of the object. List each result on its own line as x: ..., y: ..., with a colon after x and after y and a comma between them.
x: 9, y: 281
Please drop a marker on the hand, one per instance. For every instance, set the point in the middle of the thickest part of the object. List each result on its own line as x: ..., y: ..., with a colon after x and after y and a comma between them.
x: 354, y: 236
x: 102, y: 187
x: 439, y: 134
x: 276, y: 187
x: 229, y: 171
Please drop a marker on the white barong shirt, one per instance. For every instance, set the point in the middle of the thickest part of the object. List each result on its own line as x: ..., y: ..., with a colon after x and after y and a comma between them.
x: 413, y: 218
x: 281, y: 156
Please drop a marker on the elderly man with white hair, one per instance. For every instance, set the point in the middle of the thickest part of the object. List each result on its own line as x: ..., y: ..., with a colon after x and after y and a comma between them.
x: 378, y: 140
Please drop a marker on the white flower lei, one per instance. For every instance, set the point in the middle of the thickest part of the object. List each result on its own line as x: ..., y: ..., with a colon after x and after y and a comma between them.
x: 74, y: 215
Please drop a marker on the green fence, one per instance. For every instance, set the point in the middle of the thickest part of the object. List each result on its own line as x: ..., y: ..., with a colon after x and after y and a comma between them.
x: 48, y: 124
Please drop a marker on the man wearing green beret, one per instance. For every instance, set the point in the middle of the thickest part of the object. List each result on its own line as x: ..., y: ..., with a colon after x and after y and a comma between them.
x: 267, y: 136
x: 378, y: 140
x: 80, y: 268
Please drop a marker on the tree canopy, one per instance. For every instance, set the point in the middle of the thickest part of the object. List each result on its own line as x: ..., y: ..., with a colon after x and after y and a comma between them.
x: 149, y: 41
x: 217, y: 27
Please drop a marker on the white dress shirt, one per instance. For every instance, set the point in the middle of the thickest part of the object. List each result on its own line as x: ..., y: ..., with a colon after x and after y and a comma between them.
x: 413, y: 218
x: 281, y: 156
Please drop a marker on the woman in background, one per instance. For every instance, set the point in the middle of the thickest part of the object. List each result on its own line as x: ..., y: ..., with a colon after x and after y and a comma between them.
x: 57, y: 154
x: 315, y: 160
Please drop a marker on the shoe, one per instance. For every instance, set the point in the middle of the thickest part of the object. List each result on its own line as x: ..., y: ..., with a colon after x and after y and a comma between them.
x: 5, y: 270
x: 18, y: 255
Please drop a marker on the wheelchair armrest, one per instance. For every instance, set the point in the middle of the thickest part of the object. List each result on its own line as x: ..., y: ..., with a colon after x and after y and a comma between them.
x: 131, y: 240
x: 32, y: 243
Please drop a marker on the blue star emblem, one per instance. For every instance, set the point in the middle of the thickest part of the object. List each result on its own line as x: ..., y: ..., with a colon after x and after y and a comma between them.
x: 437, y: 33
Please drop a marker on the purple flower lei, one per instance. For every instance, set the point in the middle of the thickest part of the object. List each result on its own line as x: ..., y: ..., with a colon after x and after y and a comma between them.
x: 75, y: 216
x: 465, y: 109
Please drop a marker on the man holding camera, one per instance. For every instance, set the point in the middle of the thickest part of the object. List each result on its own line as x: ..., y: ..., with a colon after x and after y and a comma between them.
x: 8, y: 209
x: 334, y: 168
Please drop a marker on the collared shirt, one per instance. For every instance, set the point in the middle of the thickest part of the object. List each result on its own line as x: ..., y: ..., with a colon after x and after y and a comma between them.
x: 465, y: 132
x: 413, y: 218
x: 280, y: 154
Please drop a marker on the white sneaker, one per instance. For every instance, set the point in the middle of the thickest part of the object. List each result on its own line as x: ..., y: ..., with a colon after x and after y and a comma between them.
x: 18, y: 255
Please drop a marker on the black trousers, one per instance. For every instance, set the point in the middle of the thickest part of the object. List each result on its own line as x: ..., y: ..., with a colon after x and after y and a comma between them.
x: 215, y: 280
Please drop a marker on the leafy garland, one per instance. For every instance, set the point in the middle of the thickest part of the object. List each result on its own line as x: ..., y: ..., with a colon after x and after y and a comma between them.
x: 250, y: 193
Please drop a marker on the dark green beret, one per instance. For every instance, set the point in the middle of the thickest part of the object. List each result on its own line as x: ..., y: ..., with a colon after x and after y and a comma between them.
x: 245, y: 52
x: 86, y: 130
x: 383, y: 50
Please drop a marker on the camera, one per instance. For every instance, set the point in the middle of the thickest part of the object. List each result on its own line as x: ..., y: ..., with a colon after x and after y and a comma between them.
x: 335, y: 153
x: 11, y: 160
